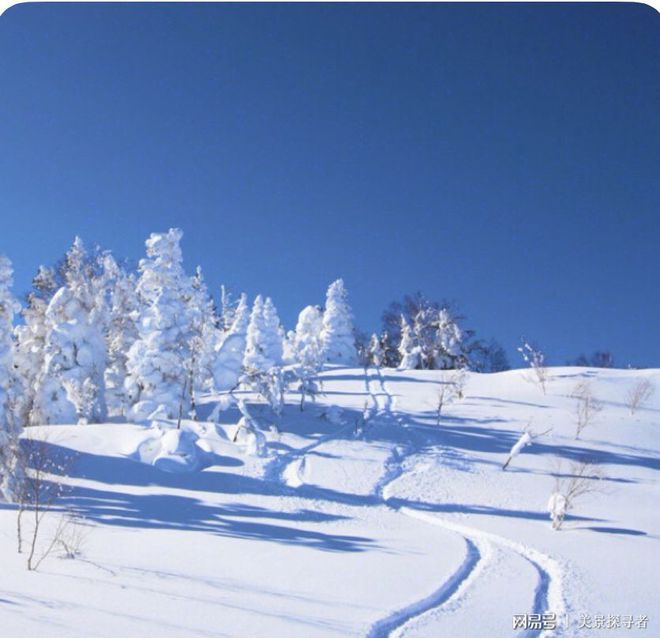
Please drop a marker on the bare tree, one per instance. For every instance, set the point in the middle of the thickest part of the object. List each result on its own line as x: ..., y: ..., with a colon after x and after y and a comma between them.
x: 639, y: 394
x: 587, y: 406
x: 442, y: 398
x: 450, y: 388
x: 37, y: 494
x: 458, y: 381
x: 536, y: 361
x: 71, y: 534
x: 583, y: 478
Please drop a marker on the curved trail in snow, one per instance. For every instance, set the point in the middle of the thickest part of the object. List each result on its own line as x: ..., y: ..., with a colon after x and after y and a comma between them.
x: 479, y: 545
x: 548, y: 595
x: 451, y: 589
x: 549, y: 591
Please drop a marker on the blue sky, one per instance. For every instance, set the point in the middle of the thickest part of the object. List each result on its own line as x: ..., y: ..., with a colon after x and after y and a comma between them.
x: 505, y: 157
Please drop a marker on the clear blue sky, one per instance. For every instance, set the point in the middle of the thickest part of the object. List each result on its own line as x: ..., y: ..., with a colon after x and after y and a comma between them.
x: 506, y: 157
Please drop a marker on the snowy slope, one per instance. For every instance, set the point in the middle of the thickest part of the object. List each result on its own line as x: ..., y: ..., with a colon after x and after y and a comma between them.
x: 372, y: 520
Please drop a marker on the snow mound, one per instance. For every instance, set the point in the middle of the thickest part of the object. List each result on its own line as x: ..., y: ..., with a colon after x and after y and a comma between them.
x: 172, y: 451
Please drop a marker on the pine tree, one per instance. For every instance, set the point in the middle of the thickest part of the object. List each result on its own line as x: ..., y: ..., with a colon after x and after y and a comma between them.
x: 206, y: 333
x: 70, y: 387
x: 448, y: 341
x: 307, y: 339
x: 264, y: 339
x: 160, y: 361
x: 263, y: 354
x: 307, y: 351
x: 123, y: 312
x: 337, y: 339
x: 230, y: 349
x: 408, y: 350
x: 273, y: 333
x: 31, y: 340
x: 256, y: 358
x: 9, y: 427
x: 376, y: 351
x: 228, y: 309
x: 241, y: 317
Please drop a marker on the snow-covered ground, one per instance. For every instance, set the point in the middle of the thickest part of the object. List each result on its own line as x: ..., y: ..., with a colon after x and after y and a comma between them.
x: 369, y: 520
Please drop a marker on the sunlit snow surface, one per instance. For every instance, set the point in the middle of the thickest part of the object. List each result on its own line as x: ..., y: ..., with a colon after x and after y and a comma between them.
x: 371, y: 520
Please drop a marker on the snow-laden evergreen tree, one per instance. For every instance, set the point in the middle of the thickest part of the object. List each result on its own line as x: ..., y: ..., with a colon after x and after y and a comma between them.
x: 228, y: 309
x: 264, y: 339
x: 376, y: 351
x: 307, y: 344
x: 206, y: 333
x: 123, y: 313
x: 230, y: 349
x: 70, y: 386
x: 160, y: 361
x: 274, y: 333
x: 424, y: 330
x: 241, y: 317
x: 337, y: 338
x: 448, y: 352
x: 307, y: 351
x: 288, y: 347
x: 408, y: 349
x: 9, y: 426
x: 31, y: 340
x: 263, y: 354
x: 256, y: 358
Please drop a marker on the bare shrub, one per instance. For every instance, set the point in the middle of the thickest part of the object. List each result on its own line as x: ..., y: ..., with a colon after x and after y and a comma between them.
x: 451, y: 387
x: 71, y: 534
x: 582, y: 478
x: 639, y: 394
x: 536, y: 361
x: 37, y: 494
x: 587, y: 406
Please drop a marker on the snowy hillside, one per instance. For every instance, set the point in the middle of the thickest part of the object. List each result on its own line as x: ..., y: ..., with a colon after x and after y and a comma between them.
x: 366, y: 514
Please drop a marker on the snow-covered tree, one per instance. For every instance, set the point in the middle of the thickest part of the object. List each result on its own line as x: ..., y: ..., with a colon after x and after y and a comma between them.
x: 307, y: 348
x: 307, y: 343
x: 159, y: 362
x: 264, y: 339
x: 241, y: 317
x: 337, y: 339
x: 408, y: 349
x: 70, y: 387
x: 9, y: 427
x: 376, y: 352
x: 448, y: 341
x: 230, y: 349
x: 206, y: 334
x: 273, y: 333
x: 123, y: 313
x: 424, y: 335
x: 30, y: 342
x: 256, y: 358
x: 263, y: 353
x: 228, y: 309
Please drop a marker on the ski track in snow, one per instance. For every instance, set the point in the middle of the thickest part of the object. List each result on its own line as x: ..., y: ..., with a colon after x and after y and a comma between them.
x: 451, y: 589
x: 548, y: 595
x: 288, y: 468
x: 549, y: 591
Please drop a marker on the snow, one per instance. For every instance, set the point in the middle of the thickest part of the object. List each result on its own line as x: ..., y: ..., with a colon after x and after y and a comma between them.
x: 358, y: 516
